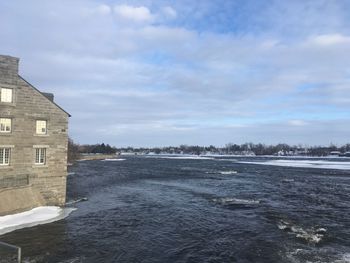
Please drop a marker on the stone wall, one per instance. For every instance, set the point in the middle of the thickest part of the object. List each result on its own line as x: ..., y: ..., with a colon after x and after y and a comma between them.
x: 19, y: 199
x: 8, y: 70
x: 29, y: 105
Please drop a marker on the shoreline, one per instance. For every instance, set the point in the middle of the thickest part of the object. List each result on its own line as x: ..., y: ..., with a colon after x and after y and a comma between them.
x: 98, y: 157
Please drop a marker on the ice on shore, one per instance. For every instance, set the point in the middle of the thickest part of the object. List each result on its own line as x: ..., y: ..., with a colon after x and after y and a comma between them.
x: 185, y: 157
x: 37, y: 216
x: 321, y: 164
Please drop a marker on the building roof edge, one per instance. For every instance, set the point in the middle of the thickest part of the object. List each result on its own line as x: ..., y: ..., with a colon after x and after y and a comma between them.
x: 44, y: 95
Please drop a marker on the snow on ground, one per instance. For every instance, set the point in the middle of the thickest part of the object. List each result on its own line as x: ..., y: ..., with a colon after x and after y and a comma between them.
x: 185, y: 157
x: 37, y: 216
x: 321, y: 164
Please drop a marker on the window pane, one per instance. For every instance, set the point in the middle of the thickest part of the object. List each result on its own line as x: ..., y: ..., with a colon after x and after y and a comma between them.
x: 36, y: 155
x: 41, y: 127
x: 6, y: 95
x: 5, y: 156
x: 40, y: 156
x: 5, y: 125
x: 43, y: 156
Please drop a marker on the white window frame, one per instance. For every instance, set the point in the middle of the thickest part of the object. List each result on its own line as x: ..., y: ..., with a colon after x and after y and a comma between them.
x: 4, y: 124
x: 39, y: 127
x: 5, y: 156
x: 40, y: 156
x: 6, y: 95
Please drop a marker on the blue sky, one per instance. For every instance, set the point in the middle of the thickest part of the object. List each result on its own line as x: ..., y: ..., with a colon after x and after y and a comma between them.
x: 154, y: 73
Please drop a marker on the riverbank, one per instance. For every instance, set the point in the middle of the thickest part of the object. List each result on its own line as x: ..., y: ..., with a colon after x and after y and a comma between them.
x: 89, y: 157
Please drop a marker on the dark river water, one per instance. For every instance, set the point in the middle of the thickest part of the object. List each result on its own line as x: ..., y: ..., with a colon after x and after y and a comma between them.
x: 148, y: 209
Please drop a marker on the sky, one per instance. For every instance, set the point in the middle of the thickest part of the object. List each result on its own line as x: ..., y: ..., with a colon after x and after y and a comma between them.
x: 157, y: 73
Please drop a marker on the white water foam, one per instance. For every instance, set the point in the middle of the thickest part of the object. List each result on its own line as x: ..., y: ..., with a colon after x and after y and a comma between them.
x: 77, y: 201
x: 305, y: 164
x: 312, y: 235
x: 287, y: 180
x: 344, y: 259
x: 113, y: 160
x: 228, y: 172
x: 316, y: 254
x: 235, y: 201
x: 37, y: 216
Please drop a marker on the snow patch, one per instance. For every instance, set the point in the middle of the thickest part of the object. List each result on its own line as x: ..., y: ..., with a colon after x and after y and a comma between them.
x: 37, y: 216
x: 305, y: 164
x: 187, y: 157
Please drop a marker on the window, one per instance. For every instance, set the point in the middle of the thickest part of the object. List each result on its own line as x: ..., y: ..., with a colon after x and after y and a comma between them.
x: 5, y: 125
x: 40, y: 127
x: 5, y: 156
x: 40, y: 155
x: 6, y: 95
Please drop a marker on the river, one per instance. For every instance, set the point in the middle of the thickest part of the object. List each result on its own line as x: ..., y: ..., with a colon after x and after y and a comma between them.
x: 171, y: 209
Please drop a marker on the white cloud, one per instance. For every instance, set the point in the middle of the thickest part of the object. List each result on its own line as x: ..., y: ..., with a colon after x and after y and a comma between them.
x: 169, y: 12
x: 297, y: 123
x: 104, y: 9
x: 331, y: 39
x: 140, y: 14
x: 166, y: 38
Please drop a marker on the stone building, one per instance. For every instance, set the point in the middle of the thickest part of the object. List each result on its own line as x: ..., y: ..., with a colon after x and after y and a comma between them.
x: 33, y: 144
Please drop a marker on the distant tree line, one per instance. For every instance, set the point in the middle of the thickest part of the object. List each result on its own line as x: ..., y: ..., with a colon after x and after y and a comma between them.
x: 76, y: 150
x: 97, y: 148
x: 282, y: 149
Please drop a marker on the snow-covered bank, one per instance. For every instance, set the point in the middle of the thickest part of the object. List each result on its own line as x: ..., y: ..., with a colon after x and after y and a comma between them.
x: 186, y: 157
x: 37, y: 216
x: 179, y: 156
x: 305, y: 164
x: 97, y: 156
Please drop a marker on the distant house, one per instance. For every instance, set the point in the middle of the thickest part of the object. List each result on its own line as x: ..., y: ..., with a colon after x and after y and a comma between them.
x: 33, y: 144
x: 346, y: 154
